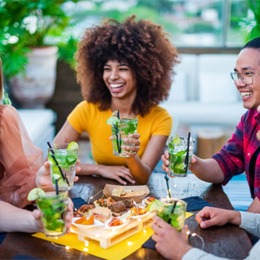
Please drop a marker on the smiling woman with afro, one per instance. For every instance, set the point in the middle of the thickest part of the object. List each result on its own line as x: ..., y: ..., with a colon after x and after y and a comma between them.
x: 126, y: 67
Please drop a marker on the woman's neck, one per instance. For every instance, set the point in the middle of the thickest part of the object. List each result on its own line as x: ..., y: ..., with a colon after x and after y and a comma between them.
x: 125, y: 111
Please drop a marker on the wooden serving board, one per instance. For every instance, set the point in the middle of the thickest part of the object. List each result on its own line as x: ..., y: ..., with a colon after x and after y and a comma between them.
x: 109, y: 237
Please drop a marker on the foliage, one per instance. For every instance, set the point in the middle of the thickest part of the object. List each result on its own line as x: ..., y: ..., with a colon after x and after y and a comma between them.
x: 254, y: 5
x: 27, y: 24
x: 6, y: 100
x: 143, y: 9
x: 200, y: 27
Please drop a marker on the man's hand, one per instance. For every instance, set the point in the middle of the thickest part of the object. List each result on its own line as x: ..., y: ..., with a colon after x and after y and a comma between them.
x: 210, y: 216
x: 168, y: 238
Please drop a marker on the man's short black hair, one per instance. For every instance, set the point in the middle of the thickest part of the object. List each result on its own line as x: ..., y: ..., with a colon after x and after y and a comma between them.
x: 254, y: 44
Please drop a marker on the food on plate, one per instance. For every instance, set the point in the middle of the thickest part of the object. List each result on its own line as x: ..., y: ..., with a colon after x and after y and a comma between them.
x: 117, y: 191
x: 101, y: 214
x: 128, y: 202
x: 84, y: 209
x: 118, y: 207
x: 86, y: 220
x: 150, y: 199
x: 147, y: 201
x: 115, y: 222
x: 104, y: 202
x: 124, y: 192
x: 136, y: 211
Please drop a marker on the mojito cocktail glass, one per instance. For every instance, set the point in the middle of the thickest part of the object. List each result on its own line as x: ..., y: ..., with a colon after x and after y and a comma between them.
x: 173, y: 212
x: 53, y: 206
x: 178, y: 157
x: 63, y: 158
x: 121, y: 128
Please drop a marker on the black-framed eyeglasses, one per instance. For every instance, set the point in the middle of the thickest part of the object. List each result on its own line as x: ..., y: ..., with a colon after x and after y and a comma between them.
x: 246, y: 77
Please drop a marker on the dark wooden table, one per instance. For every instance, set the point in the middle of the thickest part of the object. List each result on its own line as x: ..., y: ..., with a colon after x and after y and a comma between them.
x: 229, y: 241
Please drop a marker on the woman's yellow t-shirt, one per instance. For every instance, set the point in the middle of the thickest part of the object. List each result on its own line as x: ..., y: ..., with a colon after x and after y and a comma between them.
x: 86, y: 117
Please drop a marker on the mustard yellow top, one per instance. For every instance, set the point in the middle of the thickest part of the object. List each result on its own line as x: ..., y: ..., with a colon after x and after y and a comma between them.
x: 86, y: 117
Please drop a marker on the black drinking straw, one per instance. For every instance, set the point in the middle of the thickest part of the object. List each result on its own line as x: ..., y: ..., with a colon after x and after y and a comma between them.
x: 54, y: 158
x: 187, y: 153
x: 167, y: 184
x: 173, y: 209
x: 56, y: 187
x: 117, y: 139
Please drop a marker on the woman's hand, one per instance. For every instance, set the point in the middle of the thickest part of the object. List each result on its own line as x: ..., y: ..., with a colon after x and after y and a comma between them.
x: 165, y: 159
x: 118, y: 173
x: 43, y: 176
x: 132, y: 144
x: 169, y: 242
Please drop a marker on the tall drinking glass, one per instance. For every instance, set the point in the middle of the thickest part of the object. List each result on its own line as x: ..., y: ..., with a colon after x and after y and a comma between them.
x: 173, y: 212
x: 180, y: 152
x: 53, y: 206
x: 62, y: 158
x: 120, y: 130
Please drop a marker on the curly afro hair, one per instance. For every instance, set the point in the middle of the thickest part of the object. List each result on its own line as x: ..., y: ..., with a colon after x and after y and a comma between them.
x: 143, y: 45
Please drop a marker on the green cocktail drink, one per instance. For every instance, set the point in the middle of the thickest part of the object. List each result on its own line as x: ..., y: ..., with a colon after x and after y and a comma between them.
x: 121, y: 128
x: 178, y: 157
x: 173, y: 212
x: 52, y: 207
x: 63, y: 158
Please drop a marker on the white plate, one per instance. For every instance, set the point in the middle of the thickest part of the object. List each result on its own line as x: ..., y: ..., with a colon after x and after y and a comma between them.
x: 80, y: 226
x: 125, y: 222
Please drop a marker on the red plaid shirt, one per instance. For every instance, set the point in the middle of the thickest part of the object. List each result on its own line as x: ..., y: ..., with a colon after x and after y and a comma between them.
x: 237, y: 156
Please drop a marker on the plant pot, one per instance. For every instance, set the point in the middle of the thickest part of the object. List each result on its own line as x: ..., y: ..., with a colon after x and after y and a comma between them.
x: 36, y: 86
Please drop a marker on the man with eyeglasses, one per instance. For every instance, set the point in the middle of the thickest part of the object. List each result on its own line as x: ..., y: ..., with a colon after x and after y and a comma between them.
x: 240, y: 154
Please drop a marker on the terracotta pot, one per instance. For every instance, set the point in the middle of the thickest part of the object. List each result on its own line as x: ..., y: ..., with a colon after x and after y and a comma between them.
x: 36, y: 87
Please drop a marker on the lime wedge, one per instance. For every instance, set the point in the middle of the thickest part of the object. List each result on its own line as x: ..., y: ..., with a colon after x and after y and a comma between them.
x: 156, y: 205
x: 35, y: 194
x: 72, y: 146
x: 176, y: 140
x: 115, y: 113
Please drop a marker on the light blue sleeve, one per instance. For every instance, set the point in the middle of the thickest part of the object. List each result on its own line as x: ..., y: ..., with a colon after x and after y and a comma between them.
x: 250, y: 222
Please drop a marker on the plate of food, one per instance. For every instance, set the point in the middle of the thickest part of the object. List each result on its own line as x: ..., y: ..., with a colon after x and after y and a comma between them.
x: 121, y: 192
x: 139, y: 212
x: 85, y: 222
x: 148, y: 200
x: 104, y: 202
x: 116, y: 223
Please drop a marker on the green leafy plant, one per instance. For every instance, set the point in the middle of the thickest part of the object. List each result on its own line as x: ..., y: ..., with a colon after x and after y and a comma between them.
x: 255, y: 8
x: 27, y: 24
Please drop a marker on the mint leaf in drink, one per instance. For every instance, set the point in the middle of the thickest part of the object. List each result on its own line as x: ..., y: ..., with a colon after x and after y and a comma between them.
x: 130, y: 126
x: 113, y: 121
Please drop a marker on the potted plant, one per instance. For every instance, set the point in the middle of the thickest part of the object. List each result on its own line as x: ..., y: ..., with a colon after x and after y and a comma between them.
x: 31, y: 31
